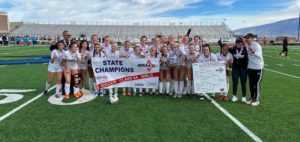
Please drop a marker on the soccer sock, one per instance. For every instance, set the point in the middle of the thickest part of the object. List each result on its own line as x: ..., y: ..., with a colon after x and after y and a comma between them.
x: 188, y: 86
x: 95, y: 86
x: 171, y: 86
x: 153, y: 90
x: 181, y: 87
x: 175, y: 83
x: 76, y: 89
x: 67, y: 88
x: 147, y: 90
x: 110, y: 92
x: 91, y: 83
x: 161, y: 85
x: 134, y: 90
x: 116, y: 91
x: 58, y: 87
x: 47, y: 86
x: 168, y: 87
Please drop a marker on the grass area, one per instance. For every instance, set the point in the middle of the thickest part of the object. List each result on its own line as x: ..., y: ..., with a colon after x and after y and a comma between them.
x: 152, y: 118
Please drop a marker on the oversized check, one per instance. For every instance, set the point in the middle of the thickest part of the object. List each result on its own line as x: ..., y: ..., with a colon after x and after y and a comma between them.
x: 210, y: 77
x: 114, y: 72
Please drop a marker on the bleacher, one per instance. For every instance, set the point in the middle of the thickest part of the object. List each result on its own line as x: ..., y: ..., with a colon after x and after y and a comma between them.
x: 123, y: 32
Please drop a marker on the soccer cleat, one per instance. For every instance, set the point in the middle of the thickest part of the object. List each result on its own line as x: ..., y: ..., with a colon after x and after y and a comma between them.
x: 175, y: 95
x: 225, y: 98
x: 140, y: 94
x: 221, y: 97
x: 249, y: 102
x: 234, y: 98
x: 244, y: 99
x: 77, y: 95
x: 255, y: 103
x: 67, y: 96
x: 45, y: 92
x: 57, y: 95
x: 179, y: 95
x: 134, y: 94
x: 201, y: 98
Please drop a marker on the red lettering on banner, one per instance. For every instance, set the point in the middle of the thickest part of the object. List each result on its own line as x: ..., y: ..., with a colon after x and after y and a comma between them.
x: 128, y: 78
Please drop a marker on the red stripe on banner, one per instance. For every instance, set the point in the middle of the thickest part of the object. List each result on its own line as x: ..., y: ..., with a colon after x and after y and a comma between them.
x: 128, y: 78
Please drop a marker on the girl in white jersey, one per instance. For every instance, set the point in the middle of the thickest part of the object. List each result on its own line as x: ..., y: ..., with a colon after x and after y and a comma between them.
x: 97, y: 53
x: 125, y: 52
x: 224, y: 55
x: 198, y: 43
x: 156, y: 44
x: 144, y: 46
x: 205, y: 57
x: 55, y: 66
x: 137, y: 55
x: 70, y: 61
x: 95, y: 40
x: 84, y: 52
x: 165, y: 72
x: 152, y: 55
x: 177, y: 61
x: 191, y: 57
x: 113, y: 53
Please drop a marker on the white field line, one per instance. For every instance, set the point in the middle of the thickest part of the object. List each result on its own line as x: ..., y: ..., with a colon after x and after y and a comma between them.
x: 279, y: 52
x: 281, y: 58
x: 16, y: 90
x: 297, y: 65
x: 297, y: 77
x: 23, y: 105
x: 232, y: 118
x: 280, y: 65
x: 2, y: 66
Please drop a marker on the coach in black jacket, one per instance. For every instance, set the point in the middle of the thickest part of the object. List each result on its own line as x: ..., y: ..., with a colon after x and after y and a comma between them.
x: 239, y: 68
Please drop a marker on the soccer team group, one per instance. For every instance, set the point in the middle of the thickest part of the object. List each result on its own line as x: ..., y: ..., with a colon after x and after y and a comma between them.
x: 71, y: 62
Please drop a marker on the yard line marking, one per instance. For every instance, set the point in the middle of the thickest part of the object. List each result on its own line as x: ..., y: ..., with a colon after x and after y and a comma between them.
x: 281, y: 65
x: 266, y: 65
x: 297, y: 65
x: 16, y: 90
x: 2, y: 66
x: 232, y: 118
x: 282, y: 73
x: 281, y: 58
x: 23, y: 105
x: 45, y: 63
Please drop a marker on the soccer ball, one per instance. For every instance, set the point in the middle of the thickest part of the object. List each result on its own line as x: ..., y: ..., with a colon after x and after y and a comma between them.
x: 113, y: 99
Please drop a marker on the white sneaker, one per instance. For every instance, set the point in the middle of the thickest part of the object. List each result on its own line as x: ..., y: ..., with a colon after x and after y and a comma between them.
x: 175, y: 95
x: 244, y: 100
x: 256, y: 103
x: 179, y: 95
x: 249, y: 102
x: 185, y: 90
x: 116, y: 94
x: 234, y: 98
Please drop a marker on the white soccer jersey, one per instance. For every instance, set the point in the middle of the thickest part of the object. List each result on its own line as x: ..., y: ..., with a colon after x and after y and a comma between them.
x: 110, y: 54
x: 226, y: 58
x: 211, y: 58
x: 191, y: 58
x: 86, y: 55
x: 56, y: 66
x: 126, y: 53
x: 184, y: 48
x: 105, y: 48
x: 93, y: 54
x: 72, y: 59
x: 135, y: 56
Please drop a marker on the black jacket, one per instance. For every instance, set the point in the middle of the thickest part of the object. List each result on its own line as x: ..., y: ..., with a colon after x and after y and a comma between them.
x: 241, y: 62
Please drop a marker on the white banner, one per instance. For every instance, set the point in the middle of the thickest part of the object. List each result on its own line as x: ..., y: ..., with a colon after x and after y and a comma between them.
x: 210, y: 77
x: 112, y: 72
